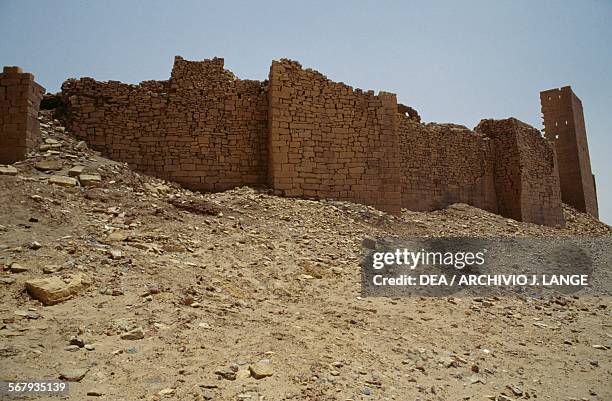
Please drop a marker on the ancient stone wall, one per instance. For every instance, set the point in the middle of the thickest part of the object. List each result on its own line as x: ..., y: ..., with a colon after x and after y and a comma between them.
x: 443, y: 164
x: 564, y: 127
x: 328, y: 140
x: 203, y: 128
x: 20, y: 99
x: 307, y: 136
x: 525, y: 172
x: 504, y: 166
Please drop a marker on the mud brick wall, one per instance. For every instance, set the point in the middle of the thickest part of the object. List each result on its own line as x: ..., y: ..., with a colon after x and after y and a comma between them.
x: 203, y: 128
x: 526, y: 175
x: 20, y: 99
x: 328, y: 140
x: 564, y: 127
x: 444, y: 164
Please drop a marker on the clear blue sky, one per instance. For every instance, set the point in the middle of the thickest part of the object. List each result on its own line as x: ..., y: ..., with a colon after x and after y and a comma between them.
x: 454, y: 61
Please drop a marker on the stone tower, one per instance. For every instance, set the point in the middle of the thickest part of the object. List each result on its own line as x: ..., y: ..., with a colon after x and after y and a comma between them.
x: 20, y: 98
x: 564, y: 127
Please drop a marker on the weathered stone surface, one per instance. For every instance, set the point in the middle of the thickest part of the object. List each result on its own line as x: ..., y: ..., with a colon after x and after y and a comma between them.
x: 115, y: 254
x: 226, y: 374
x: 76, y: 171
x: 46, y: 147
x: 48, y: 165
x: 118, y: 235
x: 261, y: 369
x: 17, y: 268
x: 7, y: 170
x: 53, y: 290
x: 135, y: 334
x: 87, y: 180
x: 73, y: 375
x: 51, y: 269
x: 63, y: 181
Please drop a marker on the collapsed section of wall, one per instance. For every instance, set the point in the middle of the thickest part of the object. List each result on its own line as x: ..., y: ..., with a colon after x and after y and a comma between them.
x: 505, y: 167
x: 526, y: 175
x: 444, y: 164
x: 20, y: 99
x: 328, y: 140
x: 204, y: 128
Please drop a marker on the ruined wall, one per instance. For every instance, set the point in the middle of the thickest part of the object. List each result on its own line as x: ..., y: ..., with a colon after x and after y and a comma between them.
x: 20, y: 99
x: 505, y: 167
x: 330, y: 141
x: 307, y: 136
x: 444, y: 164
x: 525, y: 172
x: 204, y: 128
x: 564, y: 127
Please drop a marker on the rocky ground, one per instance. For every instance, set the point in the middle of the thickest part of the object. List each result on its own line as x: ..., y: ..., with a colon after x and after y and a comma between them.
x: 240, y: 295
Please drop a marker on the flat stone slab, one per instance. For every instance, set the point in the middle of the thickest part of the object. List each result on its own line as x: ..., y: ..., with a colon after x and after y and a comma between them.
x: 90, y: 179
x: 47, y: 146
x: 76, y: 171
x: 7, y: 170
x: 63, y: 181
x: 118, y: 236
x: 53, y: 290
x: 135, y: 334
x: 17, y: 268
x: 48, y: 165
x: 73, y: 375
x: 261, y: 369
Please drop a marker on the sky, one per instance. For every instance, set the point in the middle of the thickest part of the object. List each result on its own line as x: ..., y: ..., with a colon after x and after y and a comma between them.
x: 453, y: 61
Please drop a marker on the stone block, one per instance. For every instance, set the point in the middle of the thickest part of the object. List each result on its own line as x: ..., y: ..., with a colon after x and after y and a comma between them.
x: 63, y: 181
x: 53, y: 290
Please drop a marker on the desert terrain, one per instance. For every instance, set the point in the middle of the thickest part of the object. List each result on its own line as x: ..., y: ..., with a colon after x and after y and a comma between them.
x: 242, y: 295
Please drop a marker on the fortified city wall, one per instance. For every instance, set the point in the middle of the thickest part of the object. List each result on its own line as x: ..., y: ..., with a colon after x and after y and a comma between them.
x: 303, y: 135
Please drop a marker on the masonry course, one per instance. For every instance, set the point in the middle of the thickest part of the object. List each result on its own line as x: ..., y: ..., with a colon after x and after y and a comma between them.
x: 303, y: 135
